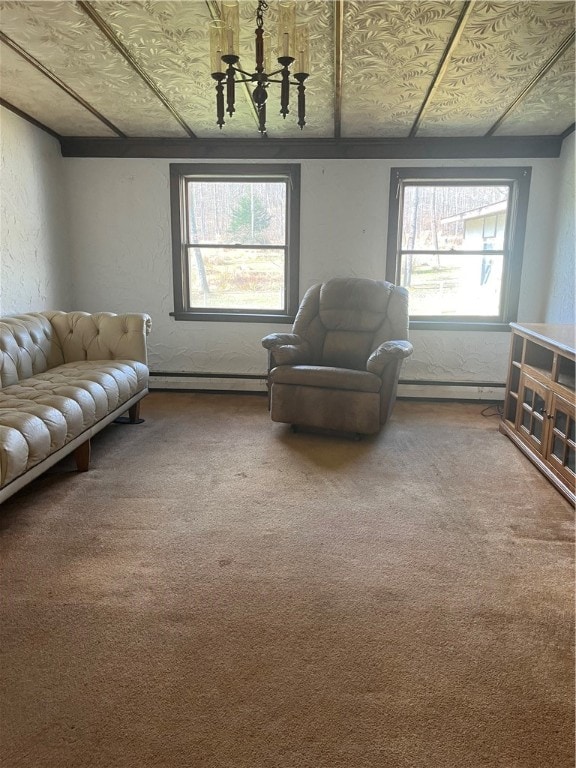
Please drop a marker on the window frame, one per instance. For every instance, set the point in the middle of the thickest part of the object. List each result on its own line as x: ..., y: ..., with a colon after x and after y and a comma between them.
x: 518, y: 178
x: 179, y: 174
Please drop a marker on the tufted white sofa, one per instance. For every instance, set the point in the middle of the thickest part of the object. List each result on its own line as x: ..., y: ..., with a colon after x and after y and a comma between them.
x: 64, y: 376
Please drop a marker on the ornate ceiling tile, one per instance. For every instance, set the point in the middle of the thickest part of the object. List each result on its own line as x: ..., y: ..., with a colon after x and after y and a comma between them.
x: 549, y: 108
x: 391, y: 53
x: 503, y: 46
x: 62, y: 38
x: 25, y: 87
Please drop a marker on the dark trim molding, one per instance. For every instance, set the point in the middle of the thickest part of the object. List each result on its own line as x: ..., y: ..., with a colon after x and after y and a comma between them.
x: 568, y: 131
x: 28, y: 118
x: 303, y: 149
x: 518, y: 178
x: 179, y: 172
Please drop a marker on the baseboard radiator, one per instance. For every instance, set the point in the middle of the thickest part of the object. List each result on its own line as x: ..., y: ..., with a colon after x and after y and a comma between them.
x: 256, y: 383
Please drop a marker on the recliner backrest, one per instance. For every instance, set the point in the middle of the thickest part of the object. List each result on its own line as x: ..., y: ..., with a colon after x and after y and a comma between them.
x: 345, y: 319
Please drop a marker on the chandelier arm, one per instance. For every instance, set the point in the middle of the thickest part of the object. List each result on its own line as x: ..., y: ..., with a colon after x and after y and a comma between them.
x: 269, y: 80
x: 249, y: 75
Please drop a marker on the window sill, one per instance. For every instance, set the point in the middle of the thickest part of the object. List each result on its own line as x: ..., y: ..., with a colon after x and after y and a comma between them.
x: 232, y: 317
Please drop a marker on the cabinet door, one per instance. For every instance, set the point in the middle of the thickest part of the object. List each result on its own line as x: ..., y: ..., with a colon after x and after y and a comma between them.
x: 531, y: 416
x: 561, y: 447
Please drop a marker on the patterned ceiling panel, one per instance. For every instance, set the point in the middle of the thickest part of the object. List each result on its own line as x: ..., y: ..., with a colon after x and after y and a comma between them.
x: 503, y: 46
x: 170, y: 41
x: 62, y: 38
x: 549, y: 108
x: 22, y: 85
x: 391, y: 52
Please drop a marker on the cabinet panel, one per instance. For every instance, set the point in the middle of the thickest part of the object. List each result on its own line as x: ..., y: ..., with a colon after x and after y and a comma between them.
x: 561, y: 443
x: 531, y: 415
x: 539, y: 408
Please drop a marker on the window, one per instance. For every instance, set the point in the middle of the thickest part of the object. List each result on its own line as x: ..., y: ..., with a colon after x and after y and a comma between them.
x: 235, y: 241
x: 455, y: 240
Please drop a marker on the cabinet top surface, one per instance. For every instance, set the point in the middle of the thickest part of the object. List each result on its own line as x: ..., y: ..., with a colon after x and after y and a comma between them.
x: 557, y: 335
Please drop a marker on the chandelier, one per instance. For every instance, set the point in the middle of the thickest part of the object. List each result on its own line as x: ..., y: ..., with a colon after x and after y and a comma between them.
x: 292, y: 49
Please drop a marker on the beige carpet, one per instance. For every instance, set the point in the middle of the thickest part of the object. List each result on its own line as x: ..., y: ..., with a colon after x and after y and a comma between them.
x: 218, y: 592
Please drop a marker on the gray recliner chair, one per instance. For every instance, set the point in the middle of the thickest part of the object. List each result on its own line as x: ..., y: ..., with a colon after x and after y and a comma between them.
x: 339, y: 367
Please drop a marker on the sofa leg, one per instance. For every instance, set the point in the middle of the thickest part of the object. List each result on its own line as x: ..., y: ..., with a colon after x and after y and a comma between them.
x: 134, y: 413
x: 82, y: 456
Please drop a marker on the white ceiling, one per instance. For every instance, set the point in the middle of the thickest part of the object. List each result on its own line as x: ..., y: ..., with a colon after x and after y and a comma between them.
x: 418, y: 68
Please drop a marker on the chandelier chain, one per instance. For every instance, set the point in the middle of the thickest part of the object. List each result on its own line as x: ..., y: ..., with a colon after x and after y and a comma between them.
x: 262, y: 6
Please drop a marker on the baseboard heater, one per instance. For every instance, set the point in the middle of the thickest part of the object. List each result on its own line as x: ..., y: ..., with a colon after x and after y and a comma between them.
x: 256, y: 383
x: 210, y: 382
x: 451, y: 390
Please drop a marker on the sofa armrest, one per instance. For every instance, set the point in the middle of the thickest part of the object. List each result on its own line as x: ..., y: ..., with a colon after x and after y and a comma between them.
x: 101, y: 336
x: 386, y: 353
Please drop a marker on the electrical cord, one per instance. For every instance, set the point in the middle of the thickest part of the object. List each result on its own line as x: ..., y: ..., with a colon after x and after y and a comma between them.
x: 495, y: 409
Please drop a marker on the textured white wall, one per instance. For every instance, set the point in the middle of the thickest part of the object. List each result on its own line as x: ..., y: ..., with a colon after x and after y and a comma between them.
x: 121, y: 250
x: 34, y: 255
x: 561, y: 301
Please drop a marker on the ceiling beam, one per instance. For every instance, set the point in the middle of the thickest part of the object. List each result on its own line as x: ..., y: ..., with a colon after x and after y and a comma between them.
x: 60, y: 83
x: 108, y: 32
x: 465, y: 12
x: 493, y: 147
x: 338, y: 65
x: 564, y: 46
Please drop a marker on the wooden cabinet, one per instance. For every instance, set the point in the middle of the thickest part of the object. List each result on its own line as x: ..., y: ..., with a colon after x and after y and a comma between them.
x: 539, y: 406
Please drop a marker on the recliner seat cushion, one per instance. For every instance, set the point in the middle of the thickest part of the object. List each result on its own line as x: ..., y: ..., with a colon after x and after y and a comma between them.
x: 327, y: 377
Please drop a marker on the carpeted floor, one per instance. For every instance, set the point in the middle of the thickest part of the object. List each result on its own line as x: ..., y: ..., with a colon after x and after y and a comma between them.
x: 218, y: 592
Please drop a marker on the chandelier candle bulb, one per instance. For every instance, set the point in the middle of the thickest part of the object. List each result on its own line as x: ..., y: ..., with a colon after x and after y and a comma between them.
x: 267, y: 43
x: 286, y: 27
x: 216, y: 47
x: 231, y: 19
x: 302, y: 49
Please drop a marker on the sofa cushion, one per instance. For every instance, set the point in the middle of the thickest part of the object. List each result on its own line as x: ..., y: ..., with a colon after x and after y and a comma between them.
x: 19, y: 455
x: 68, y: 408
x: 96, y: 386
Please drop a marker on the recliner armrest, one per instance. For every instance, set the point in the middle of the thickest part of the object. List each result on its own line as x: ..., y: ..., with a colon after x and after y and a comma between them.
x: 387, y: 352
x: 287, y: 349
x: 279, y: 339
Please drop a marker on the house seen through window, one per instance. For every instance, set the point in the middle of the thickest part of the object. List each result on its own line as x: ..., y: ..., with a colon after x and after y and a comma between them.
x: 456, y: 240
x: 235, y: 241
